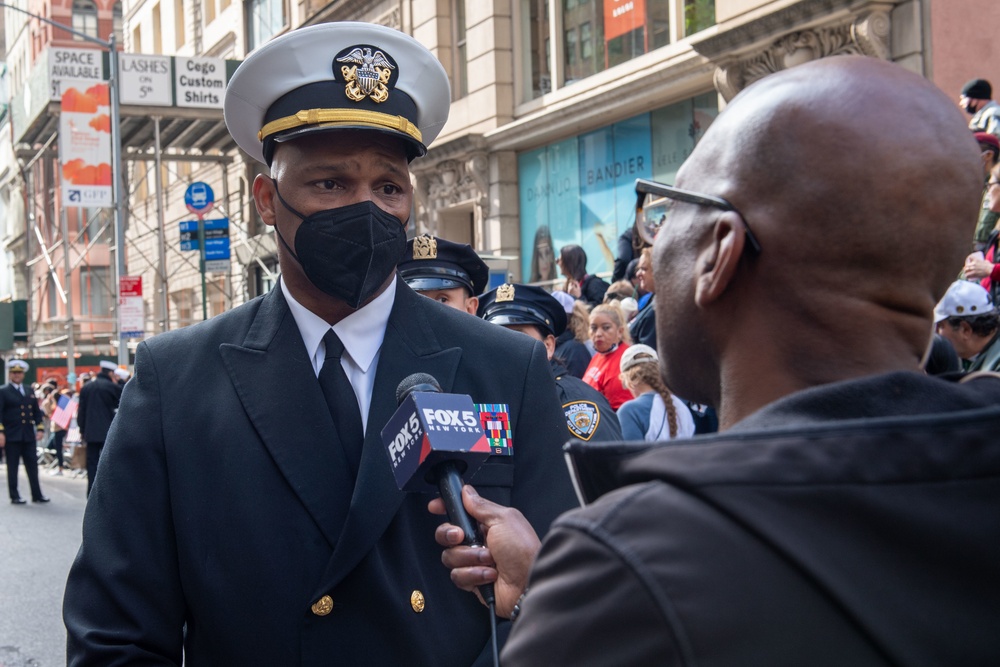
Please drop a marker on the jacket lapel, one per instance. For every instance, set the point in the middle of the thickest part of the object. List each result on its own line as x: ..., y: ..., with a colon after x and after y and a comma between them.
x: 410, y: 346
x: 295, y: 426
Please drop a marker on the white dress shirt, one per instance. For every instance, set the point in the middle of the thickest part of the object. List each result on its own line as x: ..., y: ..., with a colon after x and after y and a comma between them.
x: 361, y: 332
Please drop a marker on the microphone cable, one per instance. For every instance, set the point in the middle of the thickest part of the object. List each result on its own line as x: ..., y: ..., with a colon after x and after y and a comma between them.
x: 493, y: 632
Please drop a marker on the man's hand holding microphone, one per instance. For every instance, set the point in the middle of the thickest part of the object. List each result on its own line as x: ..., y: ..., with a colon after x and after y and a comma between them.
x: 506, y: 559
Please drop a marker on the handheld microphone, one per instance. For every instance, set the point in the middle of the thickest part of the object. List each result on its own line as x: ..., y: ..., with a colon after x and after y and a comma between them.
x: 432, y: 440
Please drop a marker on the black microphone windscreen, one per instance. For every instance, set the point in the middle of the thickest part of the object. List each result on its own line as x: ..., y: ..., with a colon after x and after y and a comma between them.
x: 416, y: 382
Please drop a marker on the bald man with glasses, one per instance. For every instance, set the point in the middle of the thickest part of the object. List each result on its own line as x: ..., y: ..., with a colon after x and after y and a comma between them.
x: 846, y: 513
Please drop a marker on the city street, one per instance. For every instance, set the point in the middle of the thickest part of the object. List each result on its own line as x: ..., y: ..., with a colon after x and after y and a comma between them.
x: 37, y: 545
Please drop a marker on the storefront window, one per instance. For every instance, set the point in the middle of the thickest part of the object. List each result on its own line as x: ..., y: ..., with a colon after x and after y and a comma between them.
x: 582, y: 190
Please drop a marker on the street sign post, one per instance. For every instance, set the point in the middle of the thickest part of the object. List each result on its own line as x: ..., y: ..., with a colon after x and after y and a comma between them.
x: 199, y: 199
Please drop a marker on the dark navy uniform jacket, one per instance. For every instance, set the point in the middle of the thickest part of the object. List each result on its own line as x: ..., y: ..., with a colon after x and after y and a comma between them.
x: 226, y: 523
x: 20, y: 416
x: 589, y: 416
x: 98, y: 404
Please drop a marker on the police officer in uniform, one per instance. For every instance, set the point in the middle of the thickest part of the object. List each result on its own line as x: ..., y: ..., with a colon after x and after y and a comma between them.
x: 449, y: 272
x: 533, y: 311
x: 20, y: 428
x: 98, y: 405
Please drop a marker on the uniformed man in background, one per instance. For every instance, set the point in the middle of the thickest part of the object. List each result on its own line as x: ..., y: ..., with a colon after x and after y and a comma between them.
x: 449, y: 272
x: 533, y: 311
x: 20, y: 428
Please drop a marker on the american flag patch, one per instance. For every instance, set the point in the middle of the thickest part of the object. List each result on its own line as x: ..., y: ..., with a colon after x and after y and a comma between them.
x: 495, y: 420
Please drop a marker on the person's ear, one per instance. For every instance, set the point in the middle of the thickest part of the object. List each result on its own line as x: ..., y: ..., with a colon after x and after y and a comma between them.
x: 264, y: 198
x: 472, y: 305
x: 550, y: 345
x: 718, y: 262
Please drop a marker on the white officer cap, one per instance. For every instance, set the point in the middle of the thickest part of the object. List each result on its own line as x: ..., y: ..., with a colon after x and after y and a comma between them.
x: 18, y: 365
x: 963, y: 299
x: 109, y: 365
x: 332, y: 76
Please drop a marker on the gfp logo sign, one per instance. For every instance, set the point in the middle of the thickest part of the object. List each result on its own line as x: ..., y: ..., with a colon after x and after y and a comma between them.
x: 199, y: 198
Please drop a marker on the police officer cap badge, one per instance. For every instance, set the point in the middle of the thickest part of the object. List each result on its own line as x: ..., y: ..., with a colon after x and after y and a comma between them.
x: 431, y: 263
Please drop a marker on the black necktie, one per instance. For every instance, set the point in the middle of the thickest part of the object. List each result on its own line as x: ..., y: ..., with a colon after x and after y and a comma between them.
x: 342, y: 401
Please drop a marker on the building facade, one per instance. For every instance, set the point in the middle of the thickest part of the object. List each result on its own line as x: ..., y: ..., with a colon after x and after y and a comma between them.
x: 557, y: 107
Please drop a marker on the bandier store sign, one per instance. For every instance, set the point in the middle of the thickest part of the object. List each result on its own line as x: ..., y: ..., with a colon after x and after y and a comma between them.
x: 200, y: 82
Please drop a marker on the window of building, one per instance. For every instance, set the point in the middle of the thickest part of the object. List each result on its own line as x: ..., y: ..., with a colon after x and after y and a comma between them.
x: 53, y: 298
x: 87, y: 224
x: 265, y: 19
x: 569, y: 48
x: 596, y: 35
x: 179, y: 36
x: 536, y: 75
x: 698, y: 15
x: 95, y: 291
x: 209, y: 11
x: 183, y: 302
x: 460, y: 59
x: 157, y: 30
x: 84, y: 18
x: 216, y: 297
x: 136, y: 40
x: 116, y: 22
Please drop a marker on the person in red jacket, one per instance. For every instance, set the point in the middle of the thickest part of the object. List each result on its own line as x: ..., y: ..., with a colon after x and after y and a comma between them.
x: 610, y: 338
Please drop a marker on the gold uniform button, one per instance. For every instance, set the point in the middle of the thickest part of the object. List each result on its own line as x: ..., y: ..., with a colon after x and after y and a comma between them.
x: 417, y: 601
x: 323, y: 606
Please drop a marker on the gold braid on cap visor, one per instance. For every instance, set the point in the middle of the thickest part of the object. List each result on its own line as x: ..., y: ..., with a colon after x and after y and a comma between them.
x: 321, y: 117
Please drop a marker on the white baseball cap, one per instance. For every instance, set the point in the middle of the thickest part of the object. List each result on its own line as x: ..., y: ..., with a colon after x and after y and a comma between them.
x: 963, y: 299
x: 637, y: 354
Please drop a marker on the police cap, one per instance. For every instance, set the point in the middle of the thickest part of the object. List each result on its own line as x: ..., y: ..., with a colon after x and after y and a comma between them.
x: 333, y: 76
x: 523, y: 304
x: 432, y: 263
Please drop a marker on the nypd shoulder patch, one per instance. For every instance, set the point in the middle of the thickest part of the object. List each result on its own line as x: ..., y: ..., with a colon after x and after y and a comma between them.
x: 582, y: 419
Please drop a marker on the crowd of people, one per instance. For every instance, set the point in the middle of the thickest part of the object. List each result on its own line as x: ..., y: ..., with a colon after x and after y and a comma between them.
x: 36, y: 418
x: 836, y: 505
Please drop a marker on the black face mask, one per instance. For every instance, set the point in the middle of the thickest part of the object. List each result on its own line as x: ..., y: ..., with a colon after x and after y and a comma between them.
x: 970, y: 108
x: 347, y: 252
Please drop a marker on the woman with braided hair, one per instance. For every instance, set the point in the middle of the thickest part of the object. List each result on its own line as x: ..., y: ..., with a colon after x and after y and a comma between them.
x: 654, y: 413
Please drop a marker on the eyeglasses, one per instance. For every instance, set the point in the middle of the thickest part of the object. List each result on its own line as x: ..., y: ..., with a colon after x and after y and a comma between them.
x: 653, y: 204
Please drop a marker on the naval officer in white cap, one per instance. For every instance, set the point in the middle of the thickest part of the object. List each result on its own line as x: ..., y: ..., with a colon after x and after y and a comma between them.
x: 20, y: 428
x: 246, y: 511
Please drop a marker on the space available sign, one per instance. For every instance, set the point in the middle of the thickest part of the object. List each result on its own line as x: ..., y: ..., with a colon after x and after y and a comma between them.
x: 75, y: 65
x: 85, y: 144
x: 200, y: 82
x: 146, y: 80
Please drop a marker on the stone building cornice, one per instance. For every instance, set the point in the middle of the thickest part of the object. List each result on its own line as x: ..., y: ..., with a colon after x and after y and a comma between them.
x: 796, y: 34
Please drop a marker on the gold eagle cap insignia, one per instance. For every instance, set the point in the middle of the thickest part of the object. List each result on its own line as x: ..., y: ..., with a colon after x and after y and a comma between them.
x: 505, y: 293
x: 425, y: 247
x: 369, y: 76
